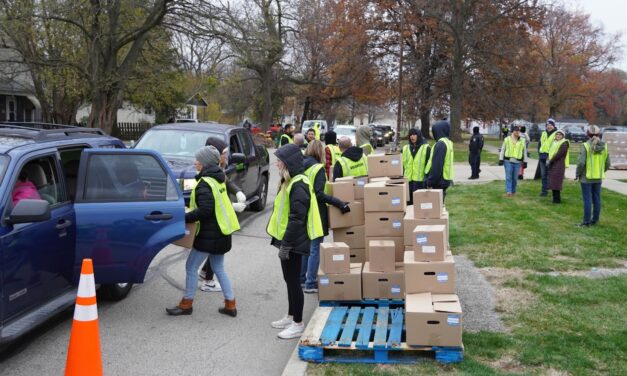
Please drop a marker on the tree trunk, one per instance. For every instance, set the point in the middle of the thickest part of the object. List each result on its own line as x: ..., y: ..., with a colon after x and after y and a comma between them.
x: 306, y: 109
x: 425, y: 121
x: 266, y: 92
x: 104, y: 112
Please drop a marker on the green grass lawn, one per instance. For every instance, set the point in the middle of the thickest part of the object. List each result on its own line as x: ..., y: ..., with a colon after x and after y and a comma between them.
x: 559, y: 323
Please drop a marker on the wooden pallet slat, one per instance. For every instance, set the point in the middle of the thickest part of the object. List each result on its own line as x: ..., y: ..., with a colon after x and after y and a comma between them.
x: 381, y: 330
x: 365, y: 330
x: 349, y: 328
x: 396, y: 329
x: 333, y: 326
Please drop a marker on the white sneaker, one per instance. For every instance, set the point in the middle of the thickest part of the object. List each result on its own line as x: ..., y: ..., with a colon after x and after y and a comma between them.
x: 202, y: 275
x: 293, y: 331
x: 211, y: 286
x: 286, y: 321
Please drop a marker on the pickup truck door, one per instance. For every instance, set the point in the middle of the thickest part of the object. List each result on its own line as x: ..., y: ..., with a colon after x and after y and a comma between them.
x: 128, y: 207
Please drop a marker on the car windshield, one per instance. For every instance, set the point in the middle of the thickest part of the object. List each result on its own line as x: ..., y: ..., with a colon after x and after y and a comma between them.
x: 175, y: 143
x: 4, y: 161
x: 575, y: 130
x: 345, y: 131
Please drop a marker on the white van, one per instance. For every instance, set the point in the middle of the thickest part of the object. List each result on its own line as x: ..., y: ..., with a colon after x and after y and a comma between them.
x: 310, y: 123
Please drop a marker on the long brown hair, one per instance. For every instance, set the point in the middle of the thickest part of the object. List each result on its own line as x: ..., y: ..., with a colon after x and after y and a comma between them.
x: 285, y: 176
x: 316, y: 149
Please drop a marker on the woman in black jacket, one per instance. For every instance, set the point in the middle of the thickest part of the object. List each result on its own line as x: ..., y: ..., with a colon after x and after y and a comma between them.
x: 295, y: 241
x: 209, y: 237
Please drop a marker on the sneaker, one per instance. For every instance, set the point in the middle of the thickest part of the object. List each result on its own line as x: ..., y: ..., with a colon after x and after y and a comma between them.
x: 583, y: 224
x: 293, y: 331
x: 311, y: 290
x: 202, y: 275
x: 211, y: 286
x: 285, y: 322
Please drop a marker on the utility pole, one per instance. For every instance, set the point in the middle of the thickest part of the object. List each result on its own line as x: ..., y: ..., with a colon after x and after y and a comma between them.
x: 399, y: 115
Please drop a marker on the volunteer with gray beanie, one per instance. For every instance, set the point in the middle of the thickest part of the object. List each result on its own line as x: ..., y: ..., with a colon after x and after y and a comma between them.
x: 215, y: 220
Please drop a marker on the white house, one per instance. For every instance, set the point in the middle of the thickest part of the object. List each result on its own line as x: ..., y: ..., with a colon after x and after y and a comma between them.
x: 126, y: 114
x: 17, y: 93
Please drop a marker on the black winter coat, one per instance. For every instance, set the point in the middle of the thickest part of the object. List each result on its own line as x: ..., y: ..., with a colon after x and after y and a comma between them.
x: 319, y: 183
x: 209, y: 238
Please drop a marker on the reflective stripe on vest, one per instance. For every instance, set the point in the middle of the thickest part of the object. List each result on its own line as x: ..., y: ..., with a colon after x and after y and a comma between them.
x: 281, y: 212
x: 546, y: 141
x: 312, y: 172
x: 414, y: 166
x: 448, y: 173
x: 352, y: 168
x: 555, y: 146
x: 514, y: 150
x: 225, y: 214
x: 595, y: 163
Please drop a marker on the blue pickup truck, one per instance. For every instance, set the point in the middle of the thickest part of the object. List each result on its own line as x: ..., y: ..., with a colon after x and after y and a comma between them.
x: 68, y: 193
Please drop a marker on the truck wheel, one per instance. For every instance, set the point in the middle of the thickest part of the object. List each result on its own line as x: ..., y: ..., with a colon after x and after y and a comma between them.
x: 260, y: 204
x: 115, y: 291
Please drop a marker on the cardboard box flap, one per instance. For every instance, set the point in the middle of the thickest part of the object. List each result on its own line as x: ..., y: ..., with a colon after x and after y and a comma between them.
x: 419, y: 302
x: 430, y: 228
x: 449, y: 307
x: 356, y: 267
x: 346, y: 178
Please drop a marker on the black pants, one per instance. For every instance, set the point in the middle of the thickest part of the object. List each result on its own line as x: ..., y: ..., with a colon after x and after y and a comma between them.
x: 475, y: 160
x: 207, y: 269
x: 556, y: 196
x: 291, y: 275
x: 414, y: 186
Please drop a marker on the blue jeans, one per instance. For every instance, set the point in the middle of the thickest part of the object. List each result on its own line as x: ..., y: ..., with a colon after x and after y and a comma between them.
x: 309, y: 266
x: 194, y: 260
x: 511, y: 176
x: 591, y: 194
x: 544, y: 173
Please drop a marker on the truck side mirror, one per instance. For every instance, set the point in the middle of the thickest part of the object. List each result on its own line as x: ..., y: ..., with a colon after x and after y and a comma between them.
x: 27, y: 210
x: 237, y: 158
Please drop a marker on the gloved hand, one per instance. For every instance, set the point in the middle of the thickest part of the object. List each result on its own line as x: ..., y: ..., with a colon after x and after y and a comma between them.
x: 345, y: 208
x: 239, y: 207
x: 241, y: 197
x: 284, y: 253
x: 501, y: 162
x: 524, y: 164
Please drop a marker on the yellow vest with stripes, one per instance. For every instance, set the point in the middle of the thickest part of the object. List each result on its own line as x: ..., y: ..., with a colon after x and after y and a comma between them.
x: 514, y: 150
x: 414, y: 166
x: 595, y: 163
x: 448, y: 172
x: 352, y: 168
x: 546, y: 141
x: 555, y: 146
x: 225, y: 214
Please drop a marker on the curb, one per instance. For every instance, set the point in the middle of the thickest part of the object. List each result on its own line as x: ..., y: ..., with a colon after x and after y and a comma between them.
x: 295, y: 366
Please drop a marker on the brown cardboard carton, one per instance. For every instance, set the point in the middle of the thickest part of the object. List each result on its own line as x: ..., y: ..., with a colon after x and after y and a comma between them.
x: 358, y: 255
x: 342, y: 189
x: 399, y: 247
x: 385, y: 196
x: 353, y: 218
x: 433, y: 276
x: 385, y: 165
x: 345, y: 286
x: 394, y: 179
x: 430, y: 243
x: 358, y: 184
x: 378, y: 285
x: 334, y: 258
x: 433, y: 320
x: 428, y: 203
x: 410, y: 223
x: 354, y: 236
x: 384, y: 224
x: 381, y: 255
x: 187, y: 241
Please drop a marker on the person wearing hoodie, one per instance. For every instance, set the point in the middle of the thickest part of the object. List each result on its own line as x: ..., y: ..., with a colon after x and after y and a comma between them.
x: 294, y: 222
x: 513, y: 154
x: 546, y: 139
x: 331, y: 152
x: 557, y: 163
x: 415, y: 156
x: 592, y: 163
x: 287, y: 136
x: 314, y: 170
x: 215, y: 220
x: 352, y: 162
x: 362, y: 138
x: 475, y: 146
x: 439, y: 170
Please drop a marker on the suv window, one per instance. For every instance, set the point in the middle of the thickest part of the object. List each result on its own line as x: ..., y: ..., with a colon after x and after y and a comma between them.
x: 125, y: 178
x: 247, y: 143
x: 38, y: 179
x: 4, y: 161
x: 234, y: 146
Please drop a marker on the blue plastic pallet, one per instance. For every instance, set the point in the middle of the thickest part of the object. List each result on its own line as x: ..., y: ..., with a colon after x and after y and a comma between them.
x: 364, y: 335
x: 364, y: 302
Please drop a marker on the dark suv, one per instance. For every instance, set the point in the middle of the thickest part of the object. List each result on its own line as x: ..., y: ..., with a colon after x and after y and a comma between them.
x: 69, y: 193
x: 535, y: 131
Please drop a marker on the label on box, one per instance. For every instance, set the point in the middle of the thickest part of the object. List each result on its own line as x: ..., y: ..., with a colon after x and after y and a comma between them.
x: 187, y: 232
x: 338, y: 257
x: 421, y: 239
x: 426, y: 205
x: 428, y: 249
x: 452, y: 320
x: 396, y: 224
x: 361, y: 183
x: 396, y: 201
x: 396, y: 289
x: 441, y: 277
x: 324, y: 281
x: 395, y: 162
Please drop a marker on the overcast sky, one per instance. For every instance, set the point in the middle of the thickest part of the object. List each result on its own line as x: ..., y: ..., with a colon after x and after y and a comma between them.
x: 612, y: 15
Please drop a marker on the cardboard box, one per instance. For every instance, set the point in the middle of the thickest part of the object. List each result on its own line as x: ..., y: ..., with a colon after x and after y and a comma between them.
x: 433, y: 276
x: 384, y: 224
x: 394, y: 179
x: 410, y: 223
x: 385, y: 165
x: 358, y: 255
x: 428, y: 203
x: 385, y: 196
x: 399, y: 247
x: 354, y: 236
x: 345, y: 286
x: 343, y: 190
x: 335, y: 258
x: 381, y: 255
x: 433, y: 320
x: 430, y: 243
x: 358, y: 184
x: 378, y: 285
x: 187, y: 241
x: 353, y: 218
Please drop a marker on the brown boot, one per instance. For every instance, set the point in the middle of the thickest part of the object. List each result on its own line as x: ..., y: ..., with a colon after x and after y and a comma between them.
x: 229, y: 308
x: 184, y: 308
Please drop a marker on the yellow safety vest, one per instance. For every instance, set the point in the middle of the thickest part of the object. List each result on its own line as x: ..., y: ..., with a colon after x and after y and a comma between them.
x: 281, y: 212
x: 335, y: 152
x: 514, y: 150
x: 448, y: 172
x: 312, y: 172
x: 316, y: 129
x: 352, y: 168
x: 225, y: 214
x: 595, y: 163
x: 555, y: 146
x: 289, y: 139
x: 367, y: 148
x: 546, y: 141
x: 414, y: 166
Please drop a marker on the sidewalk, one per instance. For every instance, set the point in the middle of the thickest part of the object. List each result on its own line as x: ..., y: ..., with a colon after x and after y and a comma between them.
x: 491, y: 173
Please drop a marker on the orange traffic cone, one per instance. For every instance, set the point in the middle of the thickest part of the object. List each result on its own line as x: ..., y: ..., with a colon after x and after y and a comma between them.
x: 83, y: 357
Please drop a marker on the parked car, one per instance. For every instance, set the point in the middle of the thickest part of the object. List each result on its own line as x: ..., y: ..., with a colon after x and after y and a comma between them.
x: 386, y: 129
x: 575, y: 134
x: 87, y: 197
x: 346, y: 130
x: 378, y: 139
x: 249, y: 164
x: 613, y: 128
x: 535, y: 131
x: 310, y: 123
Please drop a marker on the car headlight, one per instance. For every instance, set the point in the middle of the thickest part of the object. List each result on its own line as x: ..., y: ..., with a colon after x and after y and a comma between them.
x: 187, y: 184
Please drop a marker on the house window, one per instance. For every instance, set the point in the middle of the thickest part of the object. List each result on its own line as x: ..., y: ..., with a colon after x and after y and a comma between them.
x: 11, y: 108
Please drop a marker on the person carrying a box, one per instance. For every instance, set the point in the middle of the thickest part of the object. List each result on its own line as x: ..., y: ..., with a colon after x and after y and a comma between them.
x: 592, y: 163
x: 353, y: 162
x: 415, y: 156
x: 439, y: 169
x: 314, y: 170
